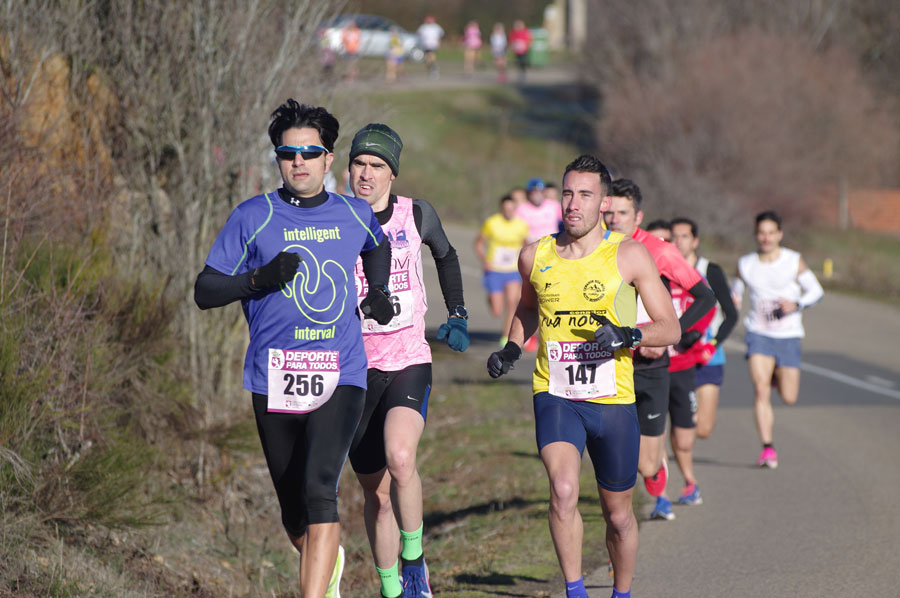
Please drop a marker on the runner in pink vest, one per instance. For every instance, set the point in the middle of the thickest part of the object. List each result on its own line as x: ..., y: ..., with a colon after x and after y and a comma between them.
x: 383, y: 453
x: 543, y: 216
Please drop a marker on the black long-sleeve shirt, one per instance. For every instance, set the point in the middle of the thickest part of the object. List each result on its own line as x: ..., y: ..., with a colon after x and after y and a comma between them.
x: 717, y: 280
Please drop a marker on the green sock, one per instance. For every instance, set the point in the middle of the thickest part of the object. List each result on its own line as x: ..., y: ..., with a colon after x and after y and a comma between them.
x: 390, y: 581
x: 412, y: 544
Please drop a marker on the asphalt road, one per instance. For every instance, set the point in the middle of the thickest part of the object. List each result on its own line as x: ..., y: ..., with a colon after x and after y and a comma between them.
x: 827, y: 521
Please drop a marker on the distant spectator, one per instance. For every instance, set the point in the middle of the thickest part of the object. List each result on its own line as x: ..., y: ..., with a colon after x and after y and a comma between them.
x: 350, y: 37
x: 430, y: 34
x: 327, y: 55
x: 395, y: 57
x: 498, y: 50
x: 472, y: 46
x: 520, y: 42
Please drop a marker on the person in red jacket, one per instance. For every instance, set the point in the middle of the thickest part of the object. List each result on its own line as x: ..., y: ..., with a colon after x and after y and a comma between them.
x: 520, y: 42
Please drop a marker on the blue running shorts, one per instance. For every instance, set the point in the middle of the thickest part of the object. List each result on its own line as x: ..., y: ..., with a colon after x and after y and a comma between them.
x: 786, y: 351
x: 710, y: 374
x: 610, y: 432
x: 495, y: 281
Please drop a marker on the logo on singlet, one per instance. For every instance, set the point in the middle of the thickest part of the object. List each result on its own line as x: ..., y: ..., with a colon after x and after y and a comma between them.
x: 594, y: 290
x: 545, y: 268
x: 398, y: 240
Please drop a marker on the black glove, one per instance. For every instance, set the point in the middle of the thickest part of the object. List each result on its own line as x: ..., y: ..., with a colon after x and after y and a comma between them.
x: 377, y: 305
x: 611, y: 337
x: 500, y: 362
x: 687, y: 340
x: 280, y: 270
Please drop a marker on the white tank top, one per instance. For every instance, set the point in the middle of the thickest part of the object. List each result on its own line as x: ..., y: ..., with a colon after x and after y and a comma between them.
x: 768, y: 282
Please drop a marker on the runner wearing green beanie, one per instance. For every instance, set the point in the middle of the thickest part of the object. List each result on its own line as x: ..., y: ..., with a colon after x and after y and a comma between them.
x: 378, y: 140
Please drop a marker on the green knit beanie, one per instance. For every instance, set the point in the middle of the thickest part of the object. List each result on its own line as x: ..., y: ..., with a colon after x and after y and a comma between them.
x: 378, y: 140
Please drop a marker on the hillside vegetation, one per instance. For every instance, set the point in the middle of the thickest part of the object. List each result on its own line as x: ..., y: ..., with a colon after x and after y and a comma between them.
x: 129, y: 462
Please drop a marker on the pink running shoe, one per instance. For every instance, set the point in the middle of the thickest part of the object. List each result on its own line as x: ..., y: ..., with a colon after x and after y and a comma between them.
x: 657, y: 484
x: 768, y: 458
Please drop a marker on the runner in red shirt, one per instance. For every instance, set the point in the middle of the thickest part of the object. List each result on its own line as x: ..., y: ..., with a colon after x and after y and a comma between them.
x: 651, y: 374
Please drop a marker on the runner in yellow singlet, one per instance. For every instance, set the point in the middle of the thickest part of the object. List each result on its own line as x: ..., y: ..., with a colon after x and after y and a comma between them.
x: 583, y: 387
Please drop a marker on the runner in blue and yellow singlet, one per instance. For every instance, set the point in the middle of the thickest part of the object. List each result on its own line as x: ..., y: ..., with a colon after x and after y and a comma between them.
x: 583, y: 389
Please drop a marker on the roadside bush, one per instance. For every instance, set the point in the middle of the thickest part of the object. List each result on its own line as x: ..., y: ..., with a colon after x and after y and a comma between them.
x: 746, y: 122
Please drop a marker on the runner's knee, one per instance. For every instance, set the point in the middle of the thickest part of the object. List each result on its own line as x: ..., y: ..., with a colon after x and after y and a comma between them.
x: 321, y: 502
x: 401, y: 463
x: 619, y: 521
x: 705, y: 429
x: 563, y: 494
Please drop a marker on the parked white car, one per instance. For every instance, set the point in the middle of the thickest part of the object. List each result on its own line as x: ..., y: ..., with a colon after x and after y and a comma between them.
x: 375, y: 38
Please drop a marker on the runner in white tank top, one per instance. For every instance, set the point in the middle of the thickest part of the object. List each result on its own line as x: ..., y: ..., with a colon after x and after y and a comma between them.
x: 781, y: 286
x: 399, y: 375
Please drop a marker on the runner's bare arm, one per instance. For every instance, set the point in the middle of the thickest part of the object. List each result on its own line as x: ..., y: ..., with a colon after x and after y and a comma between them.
x: 479, y: 251
x: 638, y: 268
x: 525, y: 320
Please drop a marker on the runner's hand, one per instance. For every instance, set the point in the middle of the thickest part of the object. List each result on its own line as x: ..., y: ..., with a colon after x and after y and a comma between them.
x: 456, y: 333
x: 377, y: 306
x: 707, y: 351
x: 281, y: 269
x: 611, y: 337
x: 500, y: 362
x: 688, y: 339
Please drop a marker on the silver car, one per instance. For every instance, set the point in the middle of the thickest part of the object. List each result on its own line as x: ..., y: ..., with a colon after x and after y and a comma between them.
x: 375, y: 39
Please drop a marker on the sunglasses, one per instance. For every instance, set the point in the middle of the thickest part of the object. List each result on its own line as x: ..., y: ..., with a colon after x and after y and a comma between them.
x: 307, y: 152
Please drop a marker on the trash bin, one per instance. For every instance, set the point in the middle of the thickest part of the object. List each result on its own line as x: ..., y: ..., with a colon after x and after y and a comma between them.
x: 539, y: 52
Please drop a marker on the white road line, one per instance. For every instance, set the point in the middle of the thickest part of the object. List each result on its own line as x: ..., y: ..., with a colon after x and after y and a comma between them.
x: 851, y: 381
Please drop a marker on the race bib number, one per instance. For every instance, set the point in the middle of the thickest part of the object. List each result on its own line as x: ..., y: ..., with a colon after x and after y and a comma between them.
x: 769, y: 317
x: 579, y: 370
x: 401, y: 300
x: 301, y: 381
x: 504, y: 259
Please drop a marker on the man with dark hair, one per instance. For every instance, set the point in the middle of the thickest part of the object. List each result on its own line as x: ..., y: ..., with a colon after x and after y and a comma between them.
x: 583, y: 384
x: 660, y: 228
x: 289, y: 257
x: 651, y: 374
x: 383, y: 453
x: 697, y: 373
x: 781, y: 286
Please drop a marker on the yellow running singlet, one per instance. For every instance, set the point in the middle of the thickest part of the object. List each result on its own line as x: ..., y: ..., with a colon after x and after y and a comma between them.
x: 569, y: 364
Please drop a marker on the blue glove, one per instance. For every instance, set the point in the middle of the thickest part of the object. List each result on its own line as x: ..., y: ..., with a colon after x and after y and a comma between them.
x: 456, y: 334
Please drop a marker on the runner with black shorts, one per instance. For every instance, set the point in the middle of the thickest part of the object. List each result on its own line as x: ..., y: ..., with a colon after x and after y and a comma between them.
x: 583, y: 384
x: 711, y: 374
x: 651, y: 374
x: 289, y: 257
x: 384, y: 450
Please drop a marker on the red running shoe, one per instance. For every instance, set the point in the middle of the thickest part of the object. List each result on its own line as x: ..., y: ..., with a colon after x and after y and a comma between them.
x: 657, y: 484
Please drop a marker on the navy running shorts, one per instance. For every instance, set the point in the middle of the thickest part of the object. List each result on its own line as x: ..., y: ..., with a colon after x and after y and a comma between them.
x: 610, y: 432
x: 710, y: 374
